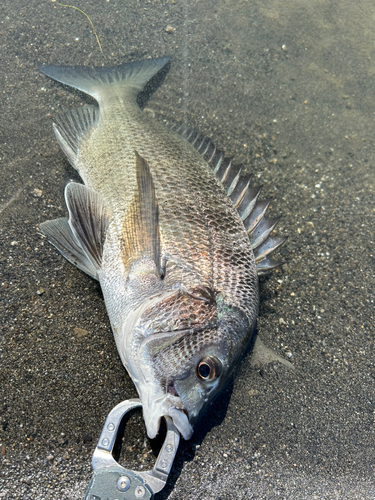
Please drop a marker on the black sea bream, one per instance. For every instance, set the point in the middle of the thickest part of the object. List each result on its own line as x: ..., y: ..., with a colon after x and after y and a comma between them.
x: 175, y: 235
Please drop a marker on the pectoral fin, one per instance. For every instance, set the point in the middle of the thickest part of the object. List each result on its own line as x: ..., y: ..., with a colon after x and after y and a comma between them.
x: 140, y: 233
x: 263, y: 355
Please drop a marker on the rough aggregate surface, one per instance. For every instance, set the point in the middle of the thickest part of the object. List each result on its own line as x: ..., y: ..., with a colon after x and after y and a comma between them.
x: 285, y: 87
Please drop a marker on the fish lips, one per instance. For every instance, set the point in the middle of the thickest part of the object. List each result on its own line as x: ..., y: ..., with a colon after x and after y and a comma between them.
x: 170, y: 406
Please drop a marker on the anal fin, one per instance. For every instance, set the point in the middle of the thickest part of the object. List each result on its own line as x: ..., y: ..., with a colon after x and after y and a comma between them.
x: 80, y: 239
x: 89, y: 219
x: 59, y: 233
x: 71, y: 126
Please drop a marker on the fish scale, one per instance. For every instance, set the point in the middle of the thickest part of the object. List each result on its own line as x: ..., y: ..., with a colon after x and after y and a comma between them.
x: 180, y: 203
x: 161, y: 222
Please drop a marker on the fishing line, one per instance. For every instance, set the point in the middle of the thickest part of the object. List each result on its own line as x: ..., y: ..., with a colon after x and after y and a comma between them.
x: 84, y: 13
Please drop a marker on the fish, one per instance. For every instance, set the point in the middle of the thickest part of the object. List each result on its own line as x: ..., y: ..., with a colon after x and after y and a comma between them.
x: 173, y: 231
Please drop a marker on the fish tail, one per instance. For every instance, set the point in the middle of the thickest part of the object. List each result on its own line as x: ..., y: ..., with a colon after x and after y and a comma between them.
x: 94, y: 81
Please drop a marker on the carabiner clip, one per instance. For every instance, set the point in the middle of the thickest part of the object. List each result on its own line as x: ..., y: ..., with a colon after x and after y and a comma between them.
x: 110, y: 480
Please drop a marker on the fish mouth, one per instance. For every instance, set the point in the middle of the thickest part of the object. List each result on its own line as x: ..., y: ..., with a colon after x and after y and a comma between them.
x: 170, y: 405
x: 180, y: 415
x: 160, y: 400
x: 180, y: 420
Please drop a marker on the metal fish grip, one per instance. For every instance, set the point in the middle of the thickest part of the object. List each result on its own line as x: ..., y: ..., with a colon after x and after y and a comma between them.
x: 112, y: 481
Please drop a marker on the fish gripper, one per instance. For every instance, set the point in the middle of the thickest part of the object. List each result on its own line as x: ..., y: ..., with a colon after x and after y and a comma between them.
x: 112, y: 481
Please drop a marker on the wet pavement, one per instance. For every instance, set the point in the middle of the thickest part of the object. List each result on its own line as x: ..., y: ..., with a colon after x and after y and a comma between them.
x: 288, y: 89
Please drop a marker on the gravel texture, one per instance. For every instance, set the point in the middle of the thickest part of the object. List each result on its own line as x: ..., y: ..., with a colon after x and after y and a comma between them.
x: 288, y: 89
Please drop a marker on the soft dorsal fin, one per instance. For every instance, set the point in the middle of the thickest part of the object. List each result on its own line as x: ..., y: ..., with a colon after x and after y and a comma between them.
x: 71, y: 126
x: 243, y: 195
x: 140, y: 233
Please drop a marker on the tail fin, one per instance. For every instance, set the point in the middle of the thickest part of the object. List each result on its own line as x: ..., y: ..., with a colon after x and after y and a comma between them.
x: 93, y: 80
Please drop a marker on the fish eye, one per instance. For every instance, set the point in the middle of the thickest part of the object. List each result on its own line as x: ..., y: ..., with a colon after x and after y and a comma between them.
x: 208, y: 368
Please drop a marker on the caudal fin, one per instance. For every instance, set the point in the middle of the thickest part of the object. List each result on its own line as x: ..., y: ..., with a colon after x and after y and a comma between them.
x: 93, y: 81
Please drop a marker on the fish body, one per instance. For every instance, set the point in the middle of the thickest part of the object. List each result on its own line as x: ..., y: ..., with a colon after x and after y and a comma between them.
x: 164, y: 226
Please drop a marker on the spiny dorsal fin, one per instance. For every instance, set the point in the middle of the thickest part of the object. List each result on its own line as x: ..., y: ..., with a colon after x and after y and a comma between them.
x: 237, y: 186
x: 244, y: 198
x: 140, y: 233
x: 266, y: 265
x: 263, y: 230
x: 71, y: 126
x: 270, y: 245
x: 89, y: 219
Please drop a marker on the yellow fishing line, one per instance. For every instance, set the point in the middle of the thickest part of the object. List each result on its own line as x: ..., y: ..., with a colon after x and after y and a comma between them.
x: 84, y: 13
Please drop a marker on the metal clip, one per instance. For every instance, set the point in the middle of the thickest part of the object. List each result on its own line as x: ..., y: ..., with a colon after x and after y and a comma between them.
x: 110, y: 480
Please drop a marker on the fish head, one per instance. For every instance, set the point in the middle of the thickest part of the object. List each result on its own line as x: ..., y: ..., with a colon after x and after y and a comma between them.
x: 184, y: 368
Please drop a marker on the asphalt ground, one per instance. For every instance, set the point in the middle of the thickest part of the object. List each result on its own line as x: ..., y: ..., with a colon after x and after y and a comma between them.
x: 286, y: 88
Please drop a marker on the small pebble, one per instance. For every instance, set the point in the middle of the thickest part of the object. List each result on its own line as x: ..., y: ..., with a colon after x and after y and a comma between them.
x: 87, y: 438
x: 80, y: 332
